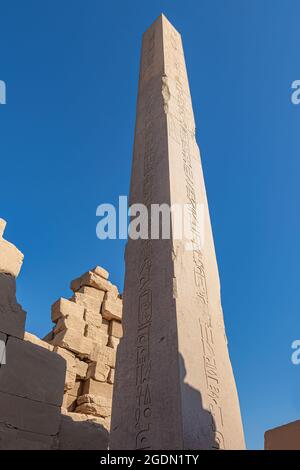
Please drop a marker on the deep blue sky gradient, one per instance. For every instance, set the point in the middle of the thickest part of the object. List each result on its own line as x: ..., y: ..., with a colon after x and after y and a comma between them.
x: 66, y: 136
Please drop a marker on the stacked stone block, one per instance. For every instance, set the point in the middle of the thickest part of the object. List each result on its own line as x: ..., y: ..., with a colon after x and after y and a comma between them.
x: 86, y: 334
x: 31, y: 376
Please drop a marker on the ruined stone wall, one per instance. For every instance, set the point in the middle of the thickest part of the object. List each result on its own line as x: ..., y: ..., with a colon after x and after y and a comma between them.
x: 56, y: 393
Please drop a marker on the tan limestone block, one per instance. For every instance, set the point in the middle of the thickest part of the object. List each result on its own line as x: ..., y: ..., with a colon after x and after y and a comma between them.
x: 105, y: 326
x: 96, y: 334
x: 32, y: 372
x: 87, y: 301
x: 81, y: 369
x: 92, y: 280
x: 104, y: 355
x: 112, y: 308
x: 71, y: 366
x: 100, y: 389
x: 92, y: 408
x: 29, y: 415
x: 116, y: 329
x: 113, y: 342
x: 92, y: 292
x: 65, y: 308
x: 111, y: 376
x: 71, y: 339
x: 98, y: 371
x: 77, y: 389
x: 93, y: 318
x: 11, y: 259
x: 101, y: 272
x: 35, y: 340
x: 12, y: 316
x: 74, y: 323
x: 69, y: 402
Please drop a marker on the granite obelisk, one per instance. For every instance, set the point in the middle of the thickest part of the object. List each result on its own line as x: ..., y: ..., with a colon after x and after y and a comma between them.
x: 174, y: 387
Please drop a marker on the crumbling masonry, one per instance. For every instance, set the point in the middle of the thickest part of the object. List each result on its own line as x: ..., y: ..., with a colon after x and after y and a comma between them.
x: 56, y: 393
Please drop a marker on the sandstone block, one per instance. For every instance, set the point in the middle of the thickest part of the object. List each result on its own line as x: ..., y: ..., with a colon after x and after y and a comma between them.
x: 32, y: 372
x: 29, y: 415
x: 12, y: 316
x: 71, y: 339
x: 87, y: 301
x: 70, y: 322
x: 104, y: 355
x: 65, y: 308
x: 92, y: 408
x: 71, y: 366
x: 98, y: 371
x: 13, y: 439
x: 112, y: 308
x: 100, y: 389
x: 111, y: 376
x: 78, y: 433
x: 101, y: 272
x: 77, y: 389
x: 92, y: 292
x: 35, y: 340
x: 96, y: 334
x: 93, y: 318
x: 116, y: 329
x: 113, y: 342
x: 11, y: 259
x: 69, y: 402
x: 92, y: 280
x: 105, y: 325
x: 81, y: 369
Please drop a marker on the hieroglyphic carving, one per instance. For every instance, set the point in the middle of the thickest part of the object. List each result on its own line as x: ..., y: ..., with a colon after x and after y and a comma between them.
x: 175, y: 56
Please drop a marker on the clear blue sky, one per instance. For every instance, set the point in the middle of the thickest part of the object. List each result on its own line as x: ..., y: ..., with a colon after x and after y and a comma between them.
x: 66, y: 135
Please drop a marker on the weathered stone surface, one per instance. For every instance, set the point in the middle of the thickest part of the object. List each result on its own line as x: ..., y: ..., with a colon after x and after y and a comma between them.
x: 71, y: 367
x: 35, y: 340
x: 70, y: 322
x: 98, y: 371
x: 101, y: 272
x: 32, y: 372
x: 104, y: 355
x: 105, y: 326
x: 113, y: 342
x: 13, y: 439
x: 94, y: 319
x: 78, y: 433
x: 69, y: 402
x: 11, y: 259
x: 71, y: 339
x: 29, y: 415
x: 100, y: 389
x: 286, y: 437
x: 92, y: 280
x: 112, y: 308
x: 81, y: 369
x: 87, y: 301
x: 116, y: 329
x: 96, y: 334
x: 111, y: 376
x: 12, y: 316
x: 66, y: 308
x: 77, y: 390
x: 174, y: 386
x: 92, y: 408
x: 92, y: 292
